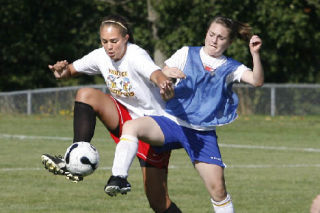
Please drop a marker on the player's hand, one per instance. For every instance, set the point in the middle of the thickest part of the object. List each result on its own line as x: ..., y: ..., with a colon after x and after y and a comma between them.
x: 173, y: 72
x: 166, y: 90
x: 255, y: 44
x: 60, y: 69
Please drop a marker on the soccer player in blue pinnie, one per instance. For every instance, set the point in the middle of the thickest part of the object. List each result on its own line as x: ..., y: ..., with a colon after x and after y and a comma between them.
x: 201, y: 99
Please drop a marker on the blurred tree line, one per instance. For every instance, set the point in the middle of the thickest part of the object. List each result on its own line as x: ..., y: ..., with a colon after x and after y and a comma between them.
x: 35, y: 33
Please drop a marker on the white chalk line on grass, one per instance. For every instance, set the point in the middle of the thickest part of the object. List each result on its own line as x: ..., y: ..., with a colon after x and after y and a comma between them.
x: 238, y: 146
x: 252, y: 166
x: 33, y: 137
x: 277, y: 148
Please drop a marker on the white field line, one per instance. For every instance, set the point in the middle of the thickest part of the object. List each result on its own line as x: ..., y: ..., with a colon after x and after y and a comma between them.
x: 33, y: 137
x: 253, y: 166
x: 29, y: 137
x: 277, y: 148
x: 236, y: 146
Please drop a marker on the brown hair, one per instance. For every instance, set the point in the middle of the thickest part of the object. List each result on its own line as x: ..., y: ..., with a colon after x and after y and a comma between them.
x: 120, y: 23
x: 237, y: 29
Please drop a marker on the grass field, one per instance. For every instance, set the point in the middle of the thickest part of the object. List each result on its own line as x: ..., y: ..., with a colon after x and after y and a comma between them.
x: 273, y: 167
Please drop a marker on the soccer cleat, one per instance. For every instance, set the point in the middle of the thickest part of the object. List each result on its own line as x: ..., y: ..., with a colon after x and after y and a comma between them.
x: 57, y: 166
x: 117, y: 184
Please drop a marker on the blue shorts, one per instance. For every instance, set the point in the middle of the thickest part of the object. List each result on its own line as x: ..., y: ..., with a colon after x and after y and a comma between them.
x: 200, y: 145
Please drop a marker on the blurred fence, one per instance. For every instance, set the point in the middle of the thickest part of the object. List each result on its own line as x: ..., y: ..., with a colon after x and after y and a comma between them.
x: 271, y: 99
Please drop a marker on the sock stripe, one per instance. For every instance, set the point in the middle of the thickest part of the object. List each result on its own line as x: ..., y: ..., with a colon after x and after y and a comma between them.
x: 125, y: 139
x: 129, y: 138
x: 223, y: 204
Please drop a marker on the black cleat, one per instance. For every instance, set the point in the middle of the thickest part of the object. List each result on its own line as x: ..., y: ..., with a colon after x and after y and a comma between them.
x: 57, y: 166
x: 117, y: 184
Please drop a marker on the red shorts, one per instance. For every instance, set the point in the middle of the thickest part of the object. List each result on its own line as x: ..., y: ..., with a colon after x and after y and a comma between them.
x: 145, y: 151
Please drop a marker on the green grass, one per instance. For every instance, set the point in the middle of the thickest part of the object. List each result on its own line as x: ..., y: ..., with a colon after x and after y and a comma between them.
x: 269, y: 168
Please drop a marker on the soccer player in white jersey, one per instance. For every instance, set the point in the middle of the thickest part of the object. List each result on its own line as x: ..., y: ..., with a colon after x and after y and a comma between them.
x: 201, y: 100
x: 132, y: 79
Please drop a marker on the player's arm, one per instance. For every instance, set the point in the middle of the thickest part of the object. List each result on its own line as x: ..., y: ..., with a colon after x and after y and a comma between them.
x: 165, y: 85
x: 173, y: 72
x: 62, y: 69
x: 255, y: 77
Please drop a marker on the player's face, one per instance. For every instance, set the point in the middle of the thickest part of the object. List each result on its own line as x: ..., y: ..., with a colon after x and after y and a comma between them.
x: 113, y: 42
x: 217, y: 40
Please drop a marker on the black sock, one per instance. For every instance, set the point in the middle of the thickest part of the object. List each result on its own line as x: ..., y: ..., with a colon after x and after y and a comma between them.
x: 173, y: 208
x: 84, y: 122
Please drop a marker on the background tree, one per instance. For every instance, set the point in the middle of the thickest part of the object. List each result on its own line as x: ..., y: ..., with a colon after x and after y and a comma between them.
x: 290, y: 30
x: 35, y: 33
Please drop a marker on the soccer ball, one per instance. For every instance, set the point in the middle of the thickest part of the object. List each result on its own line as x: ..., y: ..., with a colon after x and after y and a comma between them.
x: 81, y: 158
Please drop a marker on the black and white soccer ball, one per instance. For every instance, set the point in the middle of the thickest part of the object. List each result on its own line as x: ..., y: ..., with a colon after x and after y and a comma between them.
x: 81, y: 158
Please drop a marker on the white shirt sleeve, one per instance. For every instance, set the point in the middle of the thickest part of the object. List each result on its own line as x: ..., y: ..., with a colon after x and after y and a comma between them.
x: 178, y: 59
x: 88, y: 64
x: 236, y: 75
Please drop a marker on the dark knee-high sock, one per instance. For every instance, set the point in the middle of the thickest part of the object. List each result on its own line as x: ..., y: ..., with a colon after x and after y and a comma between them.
x: 173, y: 208
x: 84, y: 122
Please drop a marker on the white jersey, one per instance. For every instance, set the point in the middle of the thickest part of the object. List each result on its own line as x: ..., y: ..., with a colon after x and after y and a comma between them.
x: 179, y: 58
x: 128, y: 79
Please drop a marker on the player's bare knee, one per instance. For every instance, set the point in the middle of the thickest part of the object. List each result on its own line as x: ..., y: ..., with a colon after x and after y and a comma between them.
x: 130, y: 128
x: 217, y: 191
x: 84, y: 95
x: 219, y: 194
x: 92, y: 97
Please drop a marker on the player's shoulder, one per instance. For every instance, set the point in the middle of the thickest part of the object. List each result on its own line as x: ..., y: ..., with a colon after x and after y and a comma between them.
x: 97, y: 53
x: 134, y: 49
x: 183, y: 51
x: 233, y: 61
x: 92, y: 58
x: 100, y: 51
x: 135, y: 54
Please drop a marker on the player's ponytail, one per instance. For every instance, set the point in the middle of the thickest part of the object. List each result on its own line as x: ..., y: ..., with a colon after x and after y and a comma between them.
x: 237, y: 29
x: 243, y: 31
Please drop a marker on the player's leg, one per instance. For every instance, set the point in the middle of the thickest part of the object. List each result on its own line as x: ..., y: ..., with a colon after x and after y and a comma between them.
x: 213, y: 178
x: 144, y: 128
x: 155, y: 186
x: 154, y: 166
x: 203, y: 150
x: 89, y: 104
x: 155, y: 173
